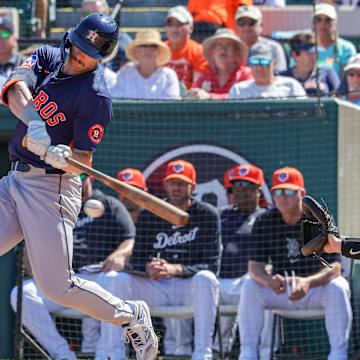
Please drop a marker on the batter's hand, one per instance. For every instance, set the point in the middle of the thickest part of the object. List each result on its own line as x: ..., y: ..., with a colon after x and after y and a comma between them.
x: 37, y: 138
x: 56, y: 156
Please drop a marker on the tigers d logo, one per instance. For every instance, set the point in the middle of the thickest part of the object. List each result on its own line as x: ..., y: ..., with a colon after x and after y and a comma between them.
x: 210, y: 162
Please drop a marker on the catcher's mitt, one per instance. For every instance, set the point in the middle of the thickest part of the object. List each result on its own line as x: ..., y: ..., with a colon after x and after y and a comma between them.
x: 316, y: 225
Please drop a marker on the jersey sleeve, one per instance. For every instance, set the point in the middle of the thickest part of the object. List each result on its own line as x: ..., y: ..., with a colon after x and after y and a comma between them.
x: 261, y: 242
x: 90, y: 122
x: 31, y: 71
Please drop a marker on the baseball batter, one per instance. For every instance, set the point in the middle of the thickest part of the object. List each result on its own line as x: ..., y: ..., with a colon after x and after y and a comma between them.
x: 60, y: 98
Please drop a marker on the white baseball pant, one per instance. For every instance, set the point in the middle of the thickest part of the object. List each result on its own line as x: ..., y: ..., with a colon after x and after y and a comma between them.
x: 178, y: 336
x: 43, y: 209
x: 333, y: 297
x: 199, y: 291
x: 36, y: 317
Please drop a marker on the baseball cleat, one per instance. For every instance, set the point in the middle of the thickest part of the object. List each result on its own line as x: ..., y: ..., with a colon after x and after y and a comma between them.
x: 141, y: 332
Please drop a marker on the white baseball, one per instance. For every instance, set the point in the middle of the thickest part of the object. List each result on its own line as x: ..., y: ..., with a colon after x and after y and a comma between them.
x: 93, y: 208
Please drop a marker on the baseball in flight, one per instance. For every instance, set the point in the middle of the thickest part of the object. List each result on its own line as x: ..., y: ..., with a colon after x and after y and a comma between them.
x: 93, y: 208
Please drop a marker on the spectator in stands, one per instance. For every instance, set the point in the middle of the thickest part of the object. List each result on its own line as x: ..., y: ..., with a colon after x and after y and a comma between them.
x: 135, y: 178
x: 100, y: 244
x: 277, y: 237
x: 237, y: 220
x: 333, y: 50
x: 41, y: 12
x: 9, y: 57
x: 210, y: 15
x: 248, y: 26
x: 227, y: 56
x: 352, y: 72
x: 146, y: 77
x: 179, y: 263
x: 324, y: 82
x: 265, y: 84
x: 186, y: 54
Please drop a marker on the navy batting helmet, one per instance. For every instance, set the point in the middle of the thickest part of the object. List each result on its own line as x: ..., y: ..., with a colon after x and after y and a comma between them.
x: 96, y: 35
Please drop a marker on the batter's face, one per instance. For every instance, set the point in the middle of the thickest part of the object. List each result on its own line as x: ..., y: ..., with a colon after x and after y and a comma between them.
x: 79, y: 62
x: 246, y: 195
x: 178, y: 191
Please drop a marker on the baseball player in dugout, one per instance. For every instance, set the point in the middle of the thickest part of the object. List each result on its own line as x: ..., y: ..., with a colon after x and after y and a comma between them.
x: 132, y: 177
x: 63, y: 106
x: 173, y: 265
x: 296, y: 282
x: 100, y: 244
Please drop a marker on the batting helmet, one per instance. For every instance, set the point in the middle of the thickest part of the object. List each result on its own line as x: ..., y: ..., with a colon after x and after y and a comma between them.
x: 96, y: 35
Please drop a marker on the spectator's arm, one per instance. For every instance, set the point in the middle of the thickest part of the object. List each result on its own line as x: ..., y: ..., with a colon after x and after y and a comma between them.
x: 118, y: 258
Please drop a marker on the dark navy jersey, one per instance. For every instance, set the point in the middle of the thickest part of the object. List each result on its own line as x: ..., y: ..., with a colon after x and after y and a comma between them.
x: 237, y: 242
x: 97, y: 238
x: 328, y: 80
x: 197, y: 245
x: 279, y: 243
x: 76, y: 108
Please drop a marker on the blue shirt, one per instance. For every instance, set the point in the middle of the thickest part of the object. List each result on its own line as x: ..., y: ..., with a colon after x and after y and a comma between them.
x: 327, y: 77
x: 76, y: 108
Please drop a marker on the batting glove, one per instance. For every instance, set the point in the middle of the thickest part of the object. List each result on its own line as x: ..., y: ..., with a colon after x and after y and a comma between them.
x: 37, y: 138
x: 56, y: 156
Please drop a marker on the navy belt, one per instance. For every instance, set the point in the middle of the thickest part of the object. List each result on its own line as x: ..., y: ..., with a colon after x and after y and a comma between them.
x: 25, y: 167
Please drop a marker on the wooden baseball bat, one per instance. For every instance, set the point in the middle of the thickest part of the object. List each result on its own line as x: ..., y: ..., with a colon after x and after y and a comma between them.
x: 149, y: 202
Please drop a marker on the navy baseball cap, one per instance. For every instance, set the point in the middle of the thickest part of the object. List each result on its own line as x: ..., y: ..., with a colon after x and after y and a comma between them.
x: 260, y: 51
x: 6, y: 23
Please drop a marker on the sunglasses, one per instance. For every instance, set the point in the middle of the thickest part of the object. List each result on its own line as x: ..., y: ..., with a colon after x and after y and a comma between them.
x: 242, y: 22
x: 83, y: 176
x: 171, y: 23
x: 262, y: 62
x: 353, y: 73
x: 150, y: 46
x: 243, y: 183
x: 5, y: 34
x: 284, y: 192
x: 318, y: 20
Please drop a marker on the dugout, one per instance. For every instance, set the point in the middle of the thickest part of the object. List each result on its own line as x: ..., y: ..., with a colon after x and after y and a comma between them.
x: 318, y: 137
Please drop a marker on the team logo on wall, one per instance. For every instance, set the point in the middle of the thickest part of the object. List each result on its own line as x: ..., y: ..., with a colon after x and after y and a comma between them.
x: 210, y: 162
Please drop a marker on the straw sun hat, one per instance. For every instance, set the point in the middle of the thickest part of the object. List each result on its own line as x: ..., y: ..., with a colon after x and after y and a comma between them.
x: 224, y: 33
x: 149, y: 37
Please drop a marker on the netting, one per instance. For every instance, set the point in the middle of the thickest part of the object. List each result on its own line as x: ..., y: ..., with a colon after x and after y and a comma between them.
x: 319, y: 139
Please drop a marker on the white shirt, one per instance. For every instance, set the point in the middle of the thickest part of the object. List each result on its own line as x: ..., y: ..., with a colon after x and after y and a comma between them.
x: 283, y: 86
x: 110, y: 77
x: 130, y: 84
